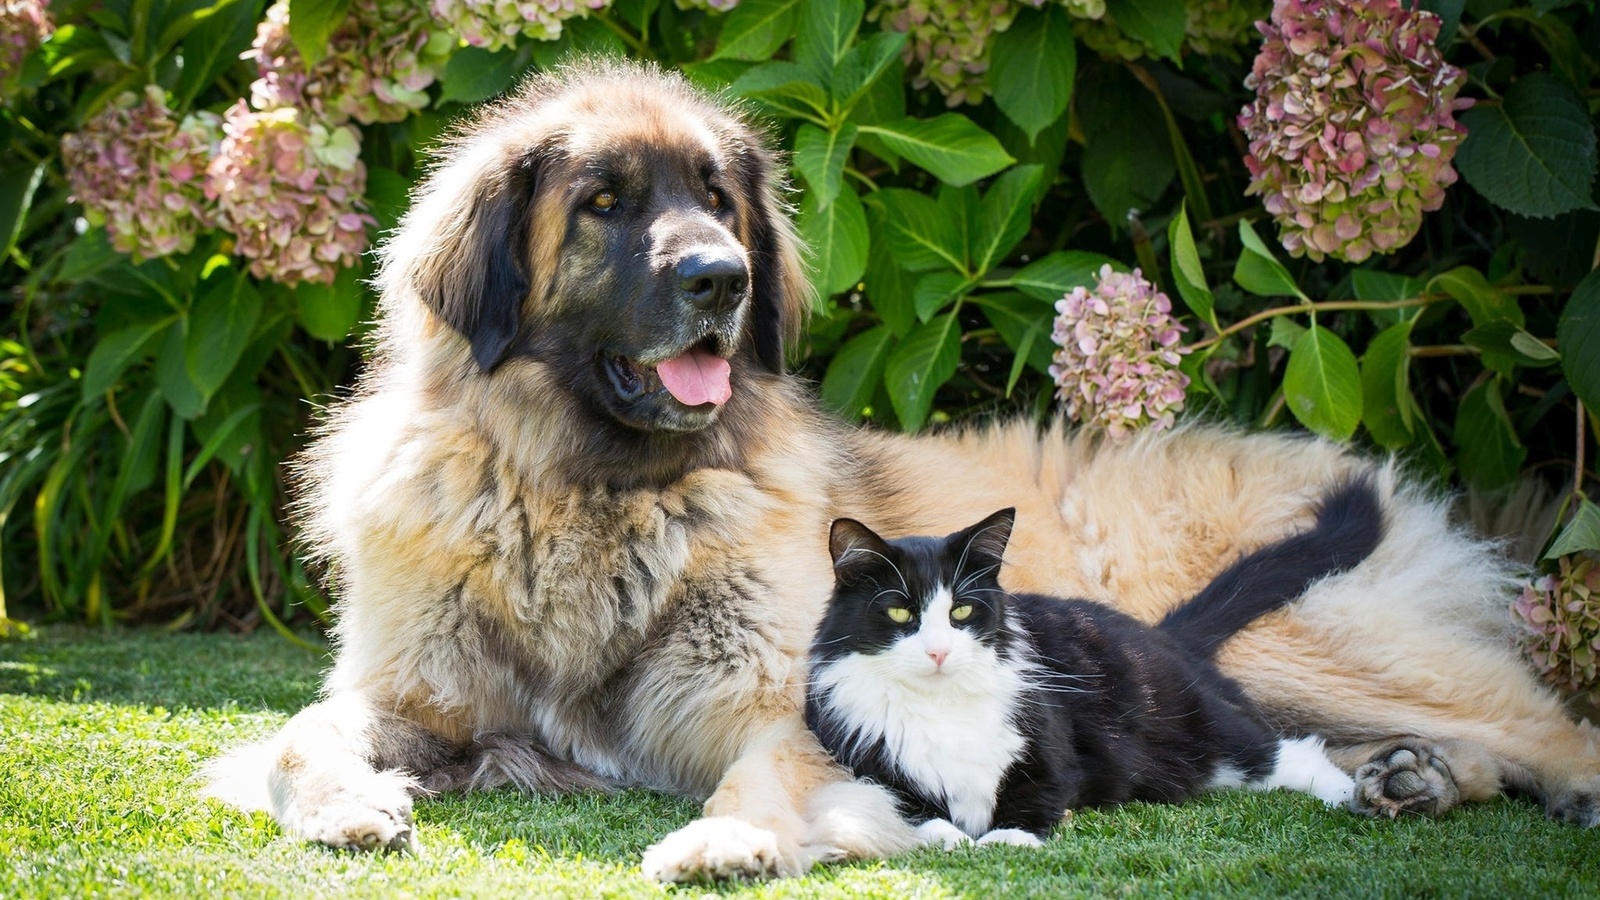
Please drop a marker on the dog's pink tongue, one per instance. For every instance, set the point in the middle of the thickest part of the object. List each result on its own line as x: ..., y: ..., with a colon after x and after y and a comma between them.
x: 696, y: 377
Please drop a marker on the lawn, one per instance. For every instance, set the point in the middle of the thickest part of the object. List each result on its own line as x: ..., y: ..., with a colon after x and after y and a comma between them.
x: 101, y: 736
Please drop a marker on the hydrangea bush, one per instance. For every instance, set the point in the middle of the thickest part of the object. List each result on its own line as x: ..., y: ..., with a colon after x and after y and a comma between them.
x: 1560, y: 617
x: 190, y: 192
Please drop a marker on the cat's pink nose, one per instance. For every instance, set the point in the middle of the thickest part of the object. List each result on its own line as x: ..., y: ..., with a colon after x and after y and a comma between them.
x: 938, y: 656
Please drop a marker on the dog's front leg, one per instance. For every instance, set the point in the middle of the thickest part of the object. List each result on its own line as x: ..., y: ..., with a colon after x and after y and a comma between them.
x: 781, y: 807
x: 340, y: 773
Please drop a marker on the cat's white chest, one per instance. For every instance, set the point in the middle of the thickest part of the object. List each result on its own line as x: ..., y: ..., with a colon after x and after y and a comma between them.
x: 950, y: 732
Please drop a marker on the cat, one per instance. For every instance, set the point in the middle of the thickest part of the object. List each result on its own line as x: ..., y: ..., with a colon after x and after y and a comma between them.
x: 991, y: 714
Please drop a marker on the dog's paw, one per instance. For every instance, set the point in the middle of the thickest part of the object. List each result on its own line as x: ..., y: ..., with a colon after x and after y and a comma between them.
x: 1575, y: 807
x: 1014, y: 837
x: 941, y: 833
x: 370, y: 813
x: 1411, y: 777
x: 717, y: 848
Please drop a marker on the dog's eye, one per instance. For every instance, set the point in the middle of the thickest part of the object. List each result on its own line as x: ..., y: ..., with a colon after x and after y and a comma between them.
x: 898, y: 614
x: 605, y: 201
x: 961, y: 613
x: 714, y: 199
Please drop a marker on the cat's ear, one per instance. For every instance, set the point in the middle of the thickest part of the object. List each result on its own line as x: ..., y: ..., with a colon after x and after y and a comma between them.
x: 987, y: 539
x: 852, y: 544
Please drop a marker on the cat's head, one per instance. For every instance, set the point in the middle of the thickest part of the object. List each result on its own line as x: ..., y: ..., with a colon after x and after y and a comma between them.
x: 930, y: 606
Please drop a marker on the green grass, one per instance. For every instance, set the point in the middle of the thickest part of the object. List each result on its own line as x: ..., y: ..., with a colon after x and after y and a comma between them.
x: 101, y: 736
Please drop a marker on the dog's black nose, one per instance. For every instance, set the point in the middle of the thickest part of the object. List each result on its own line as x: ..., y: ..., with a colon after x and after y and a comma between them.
x: 711, y: 281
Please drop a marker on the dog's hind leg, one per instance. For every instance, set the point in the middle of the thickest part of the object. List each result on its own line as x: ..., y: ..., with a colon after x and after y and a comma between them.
x: 340, y: 772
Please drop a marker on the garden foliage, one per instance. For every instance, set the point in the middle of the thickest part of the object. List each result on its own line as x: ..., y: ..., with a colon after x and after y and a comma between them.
x: 1376, y: 222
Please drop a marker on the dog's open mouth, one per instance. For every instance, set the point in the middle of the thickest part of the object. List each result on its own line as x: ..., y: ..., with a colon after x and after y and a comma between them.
x: 695, y: 377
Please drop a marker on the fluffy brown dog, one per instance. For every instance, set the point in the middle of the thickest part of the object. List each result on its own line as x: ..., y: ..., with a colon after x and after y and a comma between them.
x: 578, y: 514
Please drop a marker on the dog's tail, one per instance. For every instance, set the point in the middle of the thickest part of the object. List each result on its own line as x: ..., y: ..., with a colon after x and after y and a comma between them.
x: 1348, y: 527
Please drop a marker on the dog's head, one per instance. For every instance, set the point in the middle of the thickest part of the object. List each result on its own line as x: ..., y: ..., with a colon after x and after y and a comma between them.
x: 619, y: 227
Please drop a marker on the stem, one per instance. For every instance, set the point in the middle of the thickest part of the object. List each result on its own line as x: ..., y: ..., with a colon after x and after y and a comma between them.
x: 1331, y: 305
x: 1577, y: 475
x: 632, y: 40
x: 1444, y: 350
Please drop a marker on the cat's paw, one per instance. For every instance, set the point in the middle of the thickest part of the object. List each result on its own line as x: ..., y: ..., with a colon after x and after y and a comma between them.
x: 370, y: 812
x: 1014, y: 837
x: 718, y: 848
x: 1411, y: 777
x: 938, y: 832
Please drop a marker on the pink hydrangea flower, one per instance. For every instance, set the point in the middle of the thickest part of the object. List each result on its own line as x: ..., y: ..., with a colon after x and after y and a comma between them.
x: 289, y: 189
x: 948, y: 42
x: 1560, y: 618
x: 139, y: 172
x: 1119, y: 350
x: 493, y: 24
x: 378, y: 67
x: 1352, y: 130
x: 24, y: 24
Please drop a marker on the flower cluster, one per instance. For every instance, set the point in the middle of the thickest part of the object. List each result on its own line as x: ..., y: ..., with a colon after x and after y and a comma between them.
x: 289, y: 188
x: 1352, y: 130
x: 24, y: 24
x: 493, y: 24
x: 948, y: 42
x: 138, y: 171
x: 378, y: 66
x: 1560, y: 616
x: 1116, y: 368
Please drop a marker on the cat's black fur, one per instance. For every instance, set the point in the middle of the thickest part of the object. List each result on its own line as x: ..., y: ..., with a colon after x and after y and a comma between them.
x: 1116, y: 710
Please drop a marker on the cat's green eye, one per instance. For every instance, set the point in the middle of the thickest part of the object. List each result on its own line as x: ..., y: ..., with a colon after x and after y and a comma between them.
x: 899, y: 614
x: 961, y: 613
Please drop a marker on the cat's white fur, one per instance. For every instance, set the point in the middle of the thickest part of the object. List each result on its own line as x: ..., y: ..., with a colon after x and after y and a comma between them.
x: 949, y: 725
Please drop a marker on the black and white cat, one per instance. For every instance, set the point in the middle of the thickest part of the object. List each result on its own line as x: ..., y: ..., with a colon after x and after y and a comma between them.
x: 998, y: 712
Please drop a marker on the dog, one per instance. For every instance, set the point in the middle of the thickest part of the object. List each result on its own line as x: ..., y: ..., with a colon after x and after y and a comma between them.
x: 576, y: 518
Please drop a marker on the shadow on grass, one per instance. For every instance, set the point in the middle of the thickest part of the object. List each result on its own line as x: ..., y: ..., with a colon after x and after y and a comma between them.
x: 141, y: 667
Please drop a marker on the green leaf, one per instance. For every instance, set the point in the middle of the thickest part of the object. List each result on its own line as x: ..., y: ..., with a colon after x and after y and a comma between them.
x: 755, y: 29
x: 17, y: 186
x: 1052, y: 277
x: 172, y: 374
x: 1285, y: 332
x: 388, y: 196
x: 1505, y: 341
x: 1582, y: 533
x: 1534, y: 154
x: 1187, y: 270
x: 1259, y: 272
x: 1033, y: 65
x: 1386, y: 403
x: 1323, y: 385
x: 1126, y: 164
x: 90, y: 254
x: 1484, y: 302
x: 1159, y: 23
x: 1487, y: 449
x: 329, y: 312
x: 115, y: 351
x: 864, y: 65
x: 826, y: 32
x: 919, y: 235
x: 786, y: 87
x: 212, y: 47
x: 922, y: 362
x: 474, y: 74
x: 855, y: 372
x: 838, y: 239
x: 890, y: 288
x: 312, y: 24
x: 935, y: 291
x: 820, y: 157
x: 221, y: 323
x: 1004, y: 215
x: 956, y: 151
x: 1578, y: 339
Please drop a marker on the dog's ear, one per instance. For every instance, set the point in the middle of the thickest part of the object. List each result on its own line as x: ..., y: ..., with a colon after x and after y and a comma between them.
x: 780, y: 291
x: 473, y: 273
